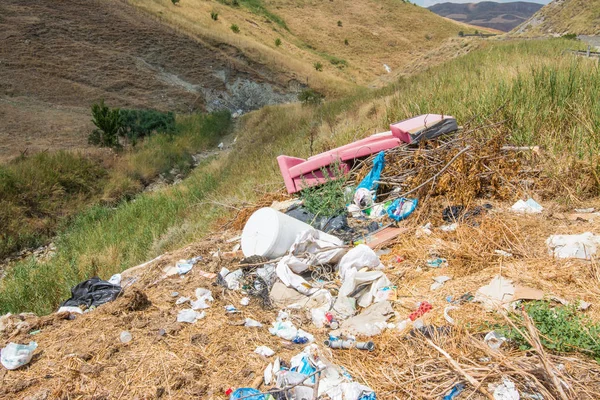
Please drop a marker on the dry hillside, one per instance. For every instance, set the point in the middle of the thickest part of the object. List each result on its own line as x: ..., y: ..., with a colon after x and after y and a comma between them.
x: 352, y: 40
x: 581, y: 17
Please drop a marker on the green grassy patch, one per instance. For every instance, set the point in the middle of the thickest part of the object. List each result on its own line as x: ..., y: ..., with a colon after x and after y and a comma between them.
x: 257, y: 7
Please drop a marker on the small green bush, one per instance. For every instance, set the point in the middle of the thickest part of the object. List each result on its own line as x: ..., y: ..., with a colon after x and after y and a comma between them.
x: 174, y: 2
x: 570, y: 36
x: 235, y: 28
x: 310, y: 97
x: 138, y: 124
x: 214, y: 15
x: 346, y: 42
x: 327, y: 200
x: 277, y: 42
x: 109, y: 126
x: 461, y: 33
x: 318, y: 66
x: 340, y: 23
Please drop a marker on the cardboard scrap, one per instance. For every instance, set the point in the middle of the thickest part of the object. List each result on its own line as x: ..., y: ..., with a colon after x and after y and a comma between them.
x: 501, y: 292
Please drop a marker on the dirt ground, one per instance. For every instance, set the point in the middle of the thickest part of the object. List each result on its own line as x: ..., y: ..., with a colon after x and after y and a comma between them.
x: 57, y: 57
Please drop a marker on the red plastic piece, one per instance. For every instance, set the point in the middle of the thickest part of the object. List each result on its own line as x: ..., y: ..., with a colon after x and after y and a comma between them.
x: 423, y: 308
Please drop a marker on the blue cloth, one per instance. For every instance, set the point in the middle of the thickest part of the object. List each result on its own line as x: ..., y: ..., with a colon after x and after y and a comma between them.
x: 243, y: 392
x: 370, y: 181
x: 406, y: 207
x: 370, y: 396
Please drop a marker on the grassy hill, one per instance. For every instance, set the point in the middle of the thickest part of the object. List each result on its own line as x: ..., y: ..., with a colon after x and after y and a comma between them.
x: 489, y: 14
x: 352, y: 40
x: 561, y: 17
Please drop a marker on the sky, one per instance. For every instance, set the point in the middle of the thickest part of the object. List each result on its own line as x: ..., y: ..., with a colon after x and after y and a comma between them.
x: 427, y: 3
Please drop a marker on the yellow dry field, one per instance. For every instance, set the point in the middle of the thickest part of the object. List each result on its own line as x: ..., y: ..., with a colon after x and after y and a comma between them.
x: 560, y: 17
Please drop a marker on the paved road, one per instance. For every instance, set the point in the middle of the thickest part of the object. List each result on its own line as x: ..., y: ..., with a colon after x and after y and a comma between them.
x: 594, y: 41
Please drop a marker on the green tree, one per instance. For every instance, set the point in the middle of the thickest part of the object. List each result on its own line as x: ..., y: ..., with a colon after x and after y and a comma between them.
x: 109, y: 124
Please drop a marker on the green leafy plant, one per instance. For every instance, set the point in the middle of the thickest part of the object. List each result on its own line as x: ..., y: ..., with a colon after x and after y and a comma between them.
x: 340, y: 23
x: 174, y: 2
x: 562, y: 329
x: 277, y: 42
x: 346, y: 42
x: 310, y: 97
x: 109, y: 124
x: 326, y: 200
x: 570, y: 36
x: 138, y: 124
x: 235, y: 28
x: 214, y: 15
x: 318, y: 66
x: 461, y: 33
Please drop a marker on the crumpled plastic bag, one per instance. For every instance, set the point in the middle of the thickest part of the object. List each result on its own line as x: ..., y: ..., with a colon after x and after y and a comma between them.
x: 264, y: 351
x: 354, y: 281
x: 582, y: 246
x: 527, y: 207
x: 15, y: 355
x: 506, y: 391
x: 204, y: 296
x: 189, y: 316
x: 359, y: 257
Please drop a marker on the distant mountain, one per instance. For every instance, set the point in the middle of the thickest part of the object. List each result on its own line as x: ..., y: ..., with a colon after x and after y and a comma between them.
x: 560, y: 17
x: 501, y: 16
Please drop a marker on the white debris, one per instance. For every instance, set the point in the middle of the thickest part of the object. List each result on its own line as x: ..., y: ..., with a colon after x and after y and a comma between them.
x: 449, y: 228
x: 527, y: 207
x: 439, y: 282
x: 503, y: 253
x: 506, y: 391
x: 250, y: 323
x: 204, y: 296
x: 16, y: 355
x: 264, y: 351
x: 245, y: 301
x: 582, y: 246
x: 494, y: 340
x: 115, y: 279
x: 182, y: 300
x: 190, y: 316
x: 387, y: 68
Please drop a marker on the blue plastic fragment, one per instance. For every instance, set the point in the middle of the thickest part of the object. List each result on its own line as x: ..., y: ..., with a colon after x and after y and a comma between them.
x: 243, y: 392
x: 456, y: 390
x: 401, y: 208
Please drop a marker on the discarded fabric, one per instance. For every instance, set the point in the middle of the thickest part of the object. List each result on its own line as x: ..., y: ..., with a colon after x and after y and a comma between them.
x: 15, y: 355
x: 527, y: 207
x: 359, y: 257
x: 402, y: 208
x: 93, y: 292
x: 581, y: 246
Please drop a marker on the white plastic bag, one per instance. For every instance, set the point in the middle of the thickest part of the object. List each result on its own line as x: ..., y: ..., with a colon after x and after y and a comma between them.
x: 16, y: 355
x: 204, y: 296
x: 264, y: 351
x: 189, y: 316
x: 250, y: 323
x: 527, y: 207
x: 359, y: 257
x: 582, y: 246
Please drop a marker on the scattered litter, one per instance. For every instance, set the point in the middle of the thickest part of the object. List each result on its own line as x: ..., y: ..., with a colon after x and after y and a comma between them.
x: 494, y: 340
x: 115, y: 279
x: 424, y: 307
x: 264, y: 351
x: 183, y: 267
x: 230, y: 309
x: 439, y: 282
x: 503, y: 253
x: 70, y: 309
x: 284, y: 205
x: 501, y: 292
x: 402, y: 208
x: 383, y: 236
x: 93, y: 292
x: 389, y: 293
x: 190, y: 316
x: 366, y: 191
x: 581, y: 246
x: 370, y: 322
x: 349, y: 344
x: 449, y: 228
x: 447, y: 317
x: 245, y: 301
x: 182, y: 300
x: 125, y: 337
x: 387, y: 68
x: 581, y: 305
x: 203, y: 296
x: 437, y: 263
x: 585, y: 210
x: 506, y: 391
x: 527, y: 207
x: 250, y: 323
x: 456, y: 390
x: 174, y: 294
x: 246, y: 394
x: 335, y: 224
x: 357, y: 258
x: 233, y: 279
x: 15, y: 355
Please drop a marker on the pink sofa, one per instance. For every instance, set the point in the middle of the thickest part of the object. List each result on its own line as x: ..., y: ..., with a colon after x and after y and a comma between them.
x: 298, y: 172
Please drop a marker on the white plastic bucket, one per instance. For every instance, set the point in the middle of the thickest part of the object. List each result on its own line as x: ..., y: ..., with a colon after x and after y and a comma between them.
x: 270, y: 233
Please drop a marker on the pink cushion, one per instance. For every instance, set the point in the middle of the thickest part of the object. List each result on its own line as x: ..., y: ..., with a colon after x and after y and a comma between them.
x: 403, y: 129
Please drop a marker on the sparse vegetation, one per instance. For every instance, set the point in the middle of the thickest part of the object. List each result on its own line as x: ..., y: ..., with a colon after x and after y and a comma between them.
x: 277, y: 42
x: 214, y: 15
x: 327, y: 200
x: 234, y: 28
x: 570, y: 36
x: 137, y: 124
x: 175, y: 2
x: 318, y: 66
x: 339, y: 23
x: 310, y: 97
x: 109, y: 126
x: 346, y: 42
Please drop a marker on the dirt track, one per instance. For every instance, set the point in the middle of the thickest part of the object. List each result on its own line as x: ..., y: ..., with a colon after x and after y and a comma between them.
x: 57, y: 57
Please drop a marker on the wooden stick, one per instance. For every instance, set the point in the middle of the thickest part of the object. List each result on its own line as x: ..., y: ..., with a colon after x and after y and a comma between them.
x: 458, y: 368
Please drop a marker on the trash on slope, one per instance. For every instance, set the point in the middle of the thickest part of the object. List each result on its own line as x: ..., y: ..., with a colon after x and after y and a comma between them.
x: 370, y: 322
x: 366, y: 191
x: 423, y: 308
x: 15, y: 355
x: 437, y: 263
x: 506, y: 391
x: 527, y: 207
x: 335, y: 224
x: 125, y: 337
x: 264, y: 351
x: 270, y: 233
x: 245, y: 301
x: 439, y: 282
x: 456, y: 390
x: 93, y: 292
x: 582, y: 246
x: 359, y: 257
x: 402, y: 208
x: 349, y: 344
x: 250, y: 323
x: 203, y: 297
x: 447, y: 317
x: 494, y: 340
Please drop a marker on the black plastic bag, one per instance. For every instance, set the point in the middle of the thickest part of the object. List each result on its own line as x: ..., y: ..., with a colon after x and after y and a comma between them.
x: 92, y: 292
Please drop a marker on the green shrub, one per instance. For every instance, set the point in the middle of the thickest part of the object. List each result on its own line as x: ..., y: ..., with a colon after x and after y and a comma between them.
x: 318, y: 66
x: 235, y: 28
x: 214, y: 15
x: 138, y: 124
x: 339, y: 23
x: 277, y: 42
x: 174, y: 2
x: 310, y: 97
x: 338, y: 62
x: 346, y: 42
x: 461, y: 33
x: 109, y: 126
x: 328, y: 199
x: 570, y: 36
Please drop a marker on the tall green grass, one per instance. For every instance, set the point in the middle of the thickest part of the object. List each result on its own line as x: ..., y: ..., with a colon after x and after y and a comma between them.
x: 542, y: 97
